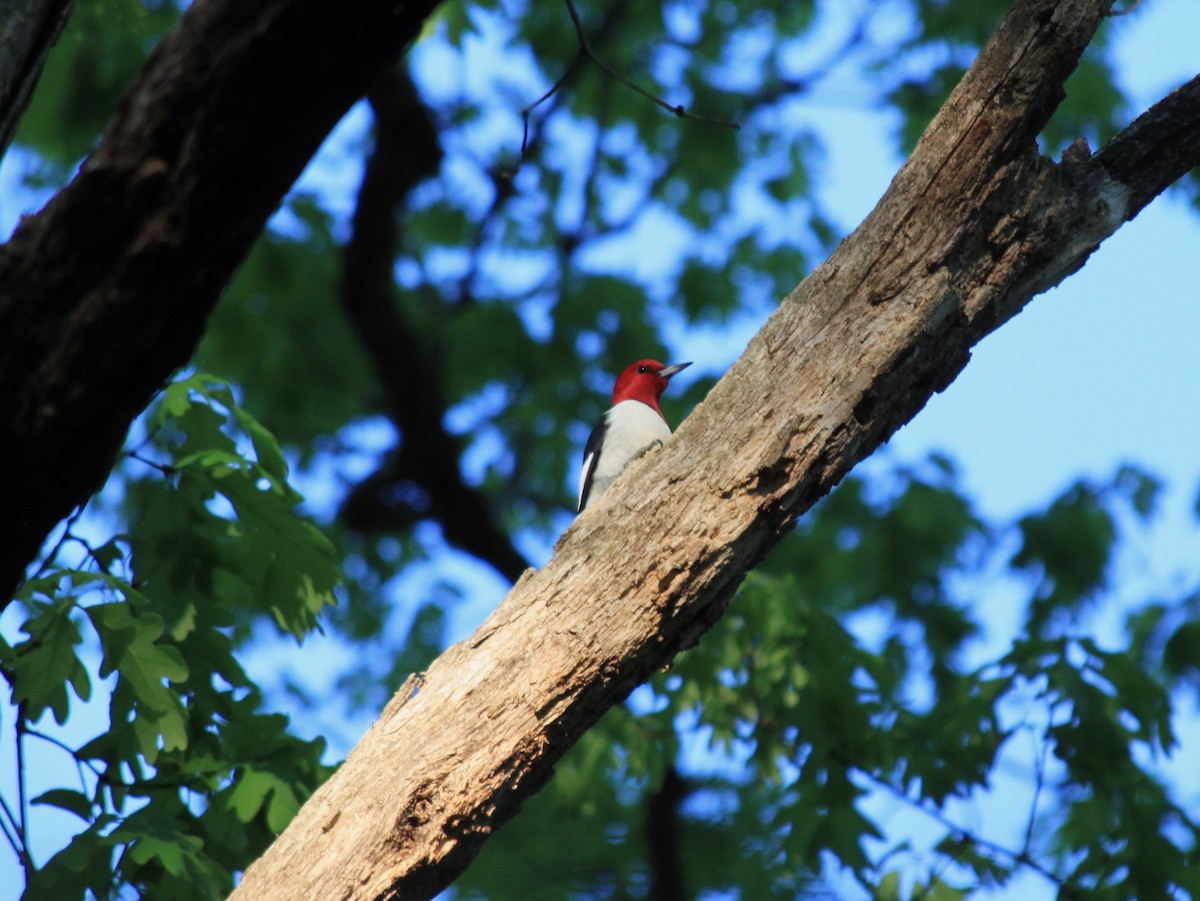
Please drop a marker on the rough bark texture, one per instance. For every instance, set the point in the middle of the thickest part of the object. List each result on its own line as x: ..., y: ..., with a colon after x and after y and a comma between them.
x: 104, y: 293
x: 27, y: 32
x: 971, y: 228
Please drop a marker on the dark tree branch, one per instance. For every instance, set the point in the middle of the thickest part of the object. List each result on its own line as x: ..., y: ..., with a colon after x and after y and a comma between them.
x: 663, y: 838
x: 105, y: 292
x: 422, y: 479
x: 27, y: 32
x: 586, y: 52
x: 1157, y: 149
x: 585, y: 49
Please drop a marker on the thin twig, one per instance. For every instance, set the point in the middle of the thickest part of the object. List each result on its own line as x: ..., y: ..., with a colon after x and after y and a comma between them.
x: 965, y: 836
x: 1039, y: 781
x: 88, y: 550
x: 586, y: 52
x: 584, y: 45
x: 12, y: 833
x: 49, y: 559
x: 10, y: 822
x: 22, y: 800
x: 165, y: 468
x: 150, y: 435
x: 679, y: 109
x: 550, y: 93
x: 80, y: 765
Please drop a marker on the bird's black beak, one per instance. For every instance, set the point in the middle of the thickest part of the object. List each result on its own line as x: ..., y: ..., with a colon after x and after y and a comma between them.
x: 667, y: 371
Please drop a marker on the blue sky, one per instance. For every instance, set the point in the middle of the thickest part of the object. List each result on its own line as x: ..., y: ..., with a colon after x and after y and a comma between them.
x: 1098, y: 372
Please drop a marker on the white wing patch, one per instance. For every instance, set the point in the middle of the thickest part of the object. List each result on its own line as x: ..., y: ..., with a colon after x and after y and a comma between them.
x: 585, y: 478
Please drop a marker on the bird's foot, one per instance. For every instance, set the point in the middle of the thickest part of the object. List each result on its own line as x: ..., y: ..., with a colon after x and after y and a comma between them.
x: 653, y: 447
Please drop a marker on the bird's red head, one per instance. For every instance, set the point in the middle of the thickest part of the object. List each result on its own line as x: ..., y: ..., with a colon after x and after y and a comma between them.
x: 645, y: 380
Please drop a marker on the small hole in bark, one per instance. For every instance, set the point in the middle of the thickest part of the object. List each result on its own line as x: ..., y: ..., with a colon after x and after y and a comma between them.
x: 865, y: 409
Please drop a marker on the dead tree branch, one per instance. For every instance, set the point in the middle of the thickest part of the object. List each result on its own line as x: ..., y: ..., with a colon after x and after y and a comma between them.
x: 973, y: 225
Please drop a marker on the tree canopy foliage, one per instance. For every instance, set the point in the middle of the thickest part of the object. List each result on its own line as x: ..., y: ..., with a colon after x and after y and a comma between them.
x: 422, y: 348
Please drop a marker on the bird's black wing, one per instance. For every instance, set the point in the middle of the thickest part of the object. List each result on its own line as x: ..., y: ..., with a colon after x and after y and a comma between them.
x: 591, y: 451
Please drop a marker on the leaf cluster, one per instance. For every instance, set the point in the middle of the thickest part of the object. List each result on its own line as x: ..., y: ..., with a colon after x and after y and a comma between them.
x: 189, y: 778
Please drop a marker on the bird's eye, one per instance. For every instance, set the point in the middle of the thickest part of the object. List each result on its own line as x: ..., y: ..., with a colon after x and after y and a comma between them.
x: 643, y: 369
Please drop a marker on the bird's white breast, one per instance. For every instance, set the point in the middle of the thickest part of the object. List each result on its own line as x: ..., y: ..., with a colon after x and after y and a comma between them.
x: 632, y: 426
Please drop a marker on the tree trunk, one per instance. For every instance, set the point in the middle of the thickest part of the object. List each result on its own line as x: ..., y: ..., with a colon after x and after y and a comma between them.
x: 27, y: 32
x: 973, y: 226
x: 105, y: 292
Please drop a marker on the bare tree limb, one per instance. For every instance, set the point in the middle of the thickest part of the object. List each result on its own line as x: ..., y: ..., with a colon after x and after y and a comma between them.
x: 973, y: 225
x: 106, y: 291
x: 1157, y: 149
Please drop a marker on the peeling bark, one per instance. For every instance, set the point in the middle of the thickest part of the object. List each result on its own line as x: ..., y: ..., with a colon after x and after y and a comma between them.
x: 973, y: 225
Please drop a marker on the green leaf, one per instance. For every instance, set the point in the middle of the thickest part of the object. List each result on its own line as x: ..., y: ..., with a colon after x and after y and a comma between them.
x: 129, y: 642
x: 156, y: 839
x: 1067, y: 549
x: 250, y: 792
x: 176, y: 400
x: 266, y: 448
x: 266, y: 555
x: 284, y: 560
x: 66, y: 799
x: 84, y: 866
x: 282, y: 808
x: 1140, y: 489
x: 132, y: 649
x: 888, y: 888
x: 45, y: 665
x: 1181, y: 655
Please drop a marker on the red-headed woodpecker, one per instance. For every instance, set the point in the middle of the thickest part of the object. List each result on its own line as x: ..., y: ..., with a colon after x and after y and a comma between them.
x: 628, y: 429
